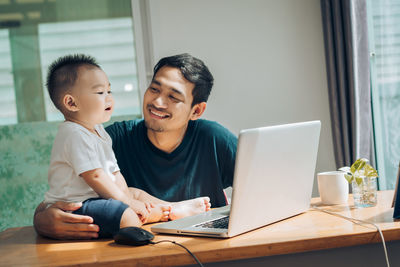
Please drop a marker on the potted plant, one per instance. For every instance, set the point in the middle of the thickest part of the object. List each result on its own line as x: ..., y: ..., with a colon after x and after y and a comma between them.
x: 363, y: 179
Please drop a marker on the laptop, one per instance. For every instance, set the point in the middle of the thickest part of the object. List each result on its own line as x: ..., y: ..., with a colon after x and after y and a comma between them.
x: 273, y: 180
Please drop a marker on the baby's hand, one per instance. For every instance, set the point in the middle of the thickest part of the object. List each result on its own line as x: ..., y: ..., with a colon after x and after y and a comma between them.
x: 142, y: 209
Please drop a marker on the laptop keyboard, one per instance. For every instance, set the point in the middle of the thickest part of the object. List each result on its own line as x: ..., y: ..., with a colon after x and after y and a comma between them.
x: 221, y: 223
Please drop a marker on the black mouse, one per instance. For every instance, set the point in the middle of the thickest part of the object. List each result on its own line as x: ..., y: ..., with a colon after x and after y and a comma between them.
x: 133, y: 236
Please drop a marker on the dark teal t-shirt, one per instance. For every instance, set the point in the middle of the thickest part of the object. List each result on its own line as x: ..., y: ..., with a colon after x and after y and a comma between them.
x: 202, y: 165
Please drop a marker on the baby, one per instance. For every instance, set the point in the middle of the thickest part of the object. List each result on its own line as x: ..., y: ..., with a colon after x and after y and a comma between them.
x: 83, y: 167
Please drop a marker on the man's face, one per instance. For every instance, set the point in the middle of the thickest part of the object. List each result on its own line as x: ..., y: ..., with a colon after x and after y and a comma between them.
x: 167, y: 103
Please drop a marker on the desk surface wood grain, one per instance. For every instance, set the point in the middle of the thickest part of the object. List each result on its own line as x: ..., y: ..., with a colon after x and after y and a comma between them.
x: 312, y: 230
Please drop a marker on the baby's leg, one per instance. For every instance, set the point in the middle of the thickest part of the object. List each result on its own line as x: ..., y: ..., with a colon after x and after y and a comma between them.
x: 129, y: 218
x: 158, y: 212
x: 176, y: 209
x: 144, y: 196
x: 189, y: 207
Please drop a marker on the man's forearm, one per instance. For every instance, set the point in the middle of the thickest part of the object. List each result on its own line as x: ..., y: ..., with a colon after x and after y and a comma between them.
x: 41, y: 207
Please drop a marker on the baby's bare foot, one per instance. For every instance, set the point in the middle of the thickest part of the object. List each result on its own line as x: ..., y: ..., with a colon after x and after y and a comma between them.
x: 189, y: 207
x: 159, y: 213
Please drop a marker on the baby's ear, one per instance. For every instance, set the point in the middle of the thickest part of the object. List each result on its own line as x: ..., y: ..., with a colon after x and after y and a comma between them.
x: 69, y: 103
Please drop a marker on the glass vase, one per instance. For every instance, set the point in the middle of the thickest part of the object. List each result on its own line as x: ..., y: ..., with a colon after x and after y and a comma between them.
x: 365, y: 194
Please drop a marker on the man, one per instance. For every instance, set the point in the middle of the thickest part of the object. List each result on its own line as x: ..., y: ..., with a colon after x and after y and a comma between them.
x: 171, y: 154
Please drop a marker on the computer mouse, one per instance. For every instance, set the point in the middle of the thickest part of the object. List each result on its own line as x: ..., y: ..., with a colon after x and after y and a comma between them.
x: 133, y: 236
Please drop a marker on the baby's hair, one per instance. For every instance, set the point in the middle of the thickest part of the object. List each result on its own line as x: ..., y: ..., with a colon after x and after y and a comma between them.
x: 62, y: 75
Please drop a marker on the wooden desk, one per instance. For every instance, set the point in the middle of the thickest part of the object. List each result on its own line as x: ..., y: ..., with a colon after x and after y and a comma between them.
x: 313, y: 230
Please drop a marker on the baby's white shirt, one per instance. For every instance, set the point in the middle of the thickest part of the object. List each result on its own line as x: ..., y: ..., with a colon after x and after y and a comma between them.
x: 75, y: 151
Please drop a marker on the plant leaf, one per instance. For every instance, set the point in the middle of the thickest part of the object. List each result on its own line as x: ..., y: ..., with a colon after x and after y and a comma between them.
x: 369, y: 171
x: 359, y: 180
x: 349, y: 177
x: 358, y: 165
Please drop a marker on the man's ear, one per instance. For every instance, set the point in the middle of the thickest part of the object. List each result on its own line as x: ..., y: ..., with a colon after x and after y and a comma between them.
x: 198, y: 110
x: 69, y: 103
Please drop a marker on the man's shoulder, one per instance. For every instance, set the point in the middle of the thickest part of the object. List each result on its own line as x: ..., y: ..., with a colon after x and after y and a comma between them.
x: 207, y: 125
x: 213, y: 128
x: 122, y: 127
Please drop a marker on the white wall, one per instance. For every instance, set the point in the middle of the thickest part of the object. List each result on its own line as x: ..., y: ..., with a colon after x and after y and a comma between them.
x: 267, y: 58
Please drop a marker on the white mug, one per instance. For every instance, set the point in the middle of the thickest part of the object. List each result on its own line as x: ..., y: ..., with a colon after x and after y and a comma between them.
x: 333, y: 187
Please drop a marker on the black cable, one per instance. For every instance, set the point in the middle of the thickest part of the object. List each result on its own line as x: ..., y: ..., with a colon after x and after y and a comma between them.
x: 173, y: 242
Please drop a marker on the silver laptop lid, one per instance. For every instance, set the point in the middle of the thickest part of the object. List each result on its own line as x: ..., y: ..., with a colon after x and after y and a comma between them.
x: 274, y: 174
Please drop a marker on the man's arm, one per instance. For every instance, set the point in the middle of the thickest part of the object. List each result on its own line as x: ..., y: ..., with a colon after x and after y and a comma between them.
x: 56, y: 222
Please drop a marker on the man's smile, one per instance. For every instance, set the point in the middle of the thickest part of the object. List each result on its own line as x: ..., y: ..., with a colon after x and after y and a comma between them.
x: 158, y: 114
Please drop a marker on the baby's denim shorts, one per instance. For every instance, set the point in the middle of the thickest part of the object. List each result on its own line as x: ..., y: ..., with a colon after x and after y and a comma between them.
x: 106, y: 213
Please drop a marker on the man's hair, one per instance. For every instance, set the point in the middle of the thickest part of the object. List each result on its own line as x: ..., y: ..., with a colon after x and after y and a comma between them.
x: 63, y: 73
x: 194, y: 70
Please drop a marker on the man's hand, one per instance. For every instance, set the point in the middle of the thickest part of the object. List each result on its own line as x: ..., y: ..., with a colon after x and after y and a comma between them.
x: 56, y: 223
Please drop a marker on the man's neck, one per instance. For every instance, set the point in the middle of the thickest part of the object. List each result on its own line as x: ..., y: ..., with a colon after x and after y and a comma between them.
x: 166, y: 141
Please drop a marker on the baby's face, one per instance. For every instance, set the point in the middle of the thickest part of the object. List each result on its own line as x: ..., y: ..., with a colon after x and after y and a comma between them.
x: 93, y: 95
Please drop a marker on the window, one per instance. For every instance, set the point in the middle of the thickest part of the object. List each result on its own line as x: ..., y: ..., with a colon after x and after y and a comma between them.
x: 109, y: 41
x: 384, y: 34
x: 36, y: 32
x: 8, y: 110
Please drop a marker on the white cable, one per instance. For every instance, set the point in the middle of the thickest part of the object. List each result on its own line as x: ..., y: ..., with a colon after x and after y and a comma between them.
x: 356, y: 221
